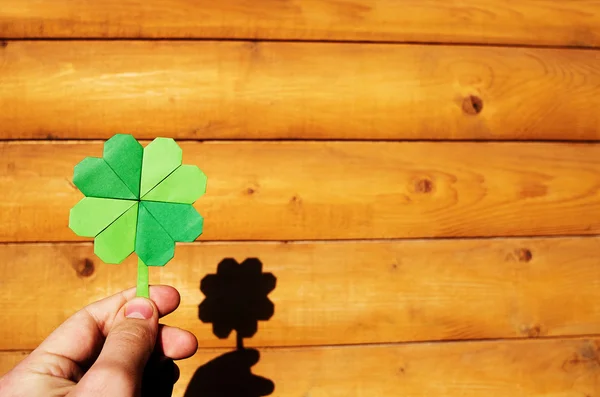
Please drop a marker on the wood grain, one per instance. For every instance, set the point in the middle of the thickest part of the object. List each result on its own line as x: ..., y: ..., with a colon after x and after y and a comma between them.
x: 534, y: 22
x: 334, y: 293
x: 9, y: 359
x: 216, y: 90
x: 566, y: 368
x: 336, y: 190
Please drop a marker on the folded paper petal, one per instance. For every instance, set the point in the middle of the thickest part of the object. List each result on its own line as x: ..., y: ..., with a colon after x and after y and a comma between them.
x: 94, y: 177
x: 123, y: 153
x: 92, y: 215
x: 161, y: 157
x: 137, y: 199
x: 185, y: 185
x: 117, y: 241
x: 181, y: 221
x: 153, y: 245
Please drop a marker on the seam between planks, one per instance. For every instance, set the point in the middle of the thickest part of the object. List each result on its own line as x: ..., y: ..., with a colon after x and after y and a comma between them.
x: 332, y: 241
x: 3, y: 40
x: 518, y: 340
x: 82, y: 141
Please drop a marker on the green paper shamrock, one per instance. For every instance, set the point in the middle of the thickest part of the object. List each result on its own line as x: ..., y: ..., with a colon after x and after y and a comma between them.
x: 137, y: 200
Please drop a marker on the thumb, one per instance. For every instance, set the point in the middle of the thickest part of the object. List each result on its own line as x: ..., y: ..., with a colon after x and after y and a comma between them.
x: 120, y: 366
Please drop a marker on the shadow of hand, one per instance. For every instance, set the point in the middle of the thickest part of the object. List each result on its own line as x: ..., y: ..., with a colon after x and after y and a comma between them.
x: 159, y: 377
x: 230, y: 375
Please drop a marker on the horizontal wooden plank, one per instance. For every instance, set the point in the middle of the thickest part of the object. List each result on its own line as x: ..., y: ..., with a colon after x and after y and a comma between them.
x: 225, y: 90
x: 334, y: 293
x: 566, y: 368
x: 536, y: 22
x: 336, y: 190
x: 9, y: 359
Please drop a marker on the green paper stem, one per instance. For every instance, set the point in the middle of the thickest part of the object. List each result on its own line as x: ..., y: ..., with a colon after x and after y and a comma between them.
x: 143, y: 289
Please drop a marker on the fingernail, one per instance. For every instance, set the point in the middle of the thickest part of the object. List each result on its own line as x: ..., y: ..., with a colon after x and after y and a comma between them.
x: 139, y: 308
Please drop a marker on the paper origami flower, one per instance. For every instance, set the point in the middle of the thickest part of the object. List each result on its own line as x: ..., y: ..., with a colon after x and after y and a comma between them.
x: 138, y: 200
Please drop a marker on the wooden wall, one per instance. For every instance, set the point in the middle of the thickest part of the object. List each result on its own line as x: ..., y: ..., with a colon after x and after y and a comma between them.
x: 422, y: 177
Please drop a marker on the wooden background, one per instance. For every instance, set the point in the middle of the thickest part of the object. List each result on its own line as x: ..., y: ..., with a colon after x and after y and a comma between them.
x: 421, y: 176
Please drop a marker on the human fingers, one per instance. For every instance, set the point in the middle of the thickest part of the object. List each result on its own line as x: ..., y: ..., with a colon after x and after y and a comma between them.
x: 165, y: 297
x: 80, y: 337
x: 176, y: 343
x: 129, y: 344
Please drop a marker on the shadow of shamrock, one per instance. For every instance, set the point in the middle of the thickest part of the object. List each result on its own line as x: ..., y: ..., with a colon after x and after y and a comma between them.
x: 236, y: 299
x: 230, y: 375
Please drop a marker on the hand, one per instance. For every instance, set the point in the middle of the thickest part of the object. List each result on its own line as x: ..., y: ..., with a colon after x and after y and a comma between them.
x: 111, y: 348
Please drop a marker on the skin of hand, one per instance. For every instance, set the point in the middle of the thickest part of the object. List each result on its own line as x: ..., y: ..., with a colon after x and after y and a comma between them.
x: 112, y: 347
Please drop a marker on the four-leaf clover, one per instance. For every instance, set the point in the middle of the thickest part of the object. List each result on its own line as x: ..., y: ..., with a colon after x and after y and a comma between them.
x: 138, y: 200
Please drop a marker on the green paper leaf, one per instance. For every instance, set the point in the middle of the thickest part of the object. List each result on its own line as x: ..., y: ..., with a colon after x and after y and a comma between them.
x: 92, y: 215
x: 153, y: 244
x: 94, y: 177
x: 117, y: 241
x: 181, y: 221
x: 185, y: 185
x: 123, y: 153
x: 113, y: 213
x: 161, y: 157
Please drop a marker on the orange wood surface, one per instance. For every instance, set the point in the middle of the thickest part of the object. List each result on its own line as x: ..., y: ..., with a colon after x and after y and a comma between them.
x: 333, y: 190
x: 532, y: 22
x: 334, y: 293
x: 535, y: 368
x: 422, y: 177
x: 256, y: 90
